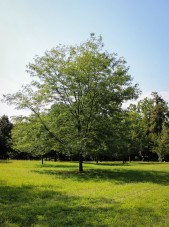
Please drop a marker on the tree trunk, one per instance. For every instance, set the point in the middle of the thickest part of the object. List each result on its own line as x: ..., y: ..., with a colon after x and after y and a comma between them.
x: 97, y: 160
x: 160, y: 159
x: 55, y: 156
x: 124, y: 161
x: 42, y: 159
x: 80, y: 163
x: 80, y: 150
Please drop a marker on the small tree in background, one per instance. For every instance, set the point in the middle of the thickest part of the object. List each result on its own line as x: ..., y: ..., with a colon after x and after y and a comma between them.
x: 5, y: 137
x: 161, y: 143
x: 155, y: 116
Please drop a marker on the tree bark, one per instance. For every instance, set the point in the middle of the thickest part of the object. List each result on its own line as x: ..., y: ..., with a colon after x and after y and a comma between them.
x: 42, y: 159
x: 55, y: 156
x: 97, y: 160
x: 124, y: 161
x: 80, y: 163
x: 160, y: 158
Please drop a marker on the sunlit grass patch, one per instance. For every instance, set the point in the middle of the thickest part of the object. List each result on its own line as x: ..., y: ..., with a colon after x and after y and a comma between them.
x: 108, y: 194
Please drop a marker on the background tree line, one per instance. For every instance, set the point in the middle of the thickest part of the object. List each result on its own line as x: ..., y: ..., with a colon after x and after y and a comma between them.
x: 76, y: 100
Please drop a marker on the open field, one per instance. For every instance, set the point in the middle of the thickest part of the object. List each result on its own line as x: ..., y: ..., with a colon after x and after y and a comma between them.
x: 108, y: 194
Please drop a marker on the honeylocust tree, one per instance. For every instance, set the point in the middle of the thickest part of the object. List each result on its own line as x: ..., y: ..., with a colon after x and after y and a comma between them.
x: 90, y: 82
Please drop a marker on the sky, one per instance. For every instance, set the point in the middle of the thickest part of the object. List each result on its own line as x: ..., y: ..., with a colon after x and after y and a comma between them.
x: 136, y: 30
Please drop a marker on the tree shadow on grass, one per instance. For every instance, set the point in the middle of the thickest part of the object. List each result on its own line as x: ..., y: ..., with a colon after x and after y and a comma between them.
x: 132, y: 163
x: 6, y: 161
x: 153, y: 163
x: 56, y: 165
x: 36, y: 206
x: 2, y: 182
x: 121, y: 176
x: 110, y: 163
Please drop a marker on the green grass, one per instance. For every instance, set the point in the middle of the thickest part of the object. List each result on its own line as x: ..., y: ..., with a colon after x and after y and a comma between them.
x: 108, y: 194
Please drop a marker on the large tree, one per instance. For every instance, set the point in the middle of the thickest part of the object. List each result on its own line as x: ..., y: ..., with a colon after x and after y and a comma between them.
x: 90, y: 82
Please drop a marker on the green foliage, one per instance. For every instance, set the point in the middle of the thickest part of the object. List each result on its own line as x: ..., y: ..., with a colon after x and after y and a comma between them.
x: 30, y: 135
x: 131, y: 135
x: 89, y: 82
x: 154, y: 114
x: 5, y: 137
x: 161, y: 143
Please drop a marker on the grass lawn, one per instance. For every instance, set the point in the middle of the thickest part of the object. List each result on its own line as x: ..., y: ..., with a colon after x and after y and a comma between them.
x: 108, y: 194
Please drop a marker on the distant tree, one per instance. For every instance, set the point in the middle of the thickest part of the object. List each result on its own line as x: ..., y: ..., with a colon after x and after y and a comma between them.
x: 5, y: 137
x: 134, y: 132
x: 155, y: 112
x: 90, y: 83
x: 30, y: 136
x: 155, y: 115
x: 161, y: 143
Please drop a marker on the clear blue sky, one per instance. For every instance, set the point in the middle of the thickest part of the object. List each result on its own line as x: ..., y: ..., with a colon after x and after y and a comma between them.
x: 135, y: 29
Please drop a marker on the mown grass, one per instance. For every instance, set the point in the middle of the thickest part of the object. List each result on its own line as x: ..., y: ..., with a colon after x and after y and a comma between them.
x: 108, y: 194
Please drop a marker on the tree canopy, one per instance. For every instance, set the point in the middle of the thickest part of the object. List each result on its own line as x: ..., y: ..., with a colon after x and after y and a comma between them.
x: 77, y: 94
x: 5, y: 136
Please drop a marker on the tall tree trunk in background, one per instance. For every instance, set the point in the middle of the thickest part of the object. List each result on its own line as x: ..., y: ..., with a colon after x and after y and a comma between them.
x: 81, y: 148
x: 42, y: 159
x: 55, y: 156
x: 97, y: 159
x: 80, y: 163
